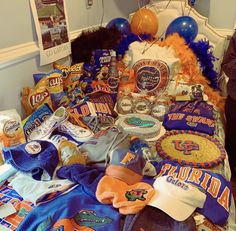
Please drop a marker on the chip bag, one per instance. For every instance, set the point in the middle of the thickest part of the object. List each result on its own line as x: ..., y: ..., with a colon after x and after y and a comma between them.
x: 54, y: 84
x: 32, y: 98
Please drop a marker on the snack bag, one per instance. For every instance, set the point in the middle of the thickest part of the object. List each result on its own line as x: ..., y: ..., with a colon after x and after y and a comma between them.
x: 54, y: 84
x: 32, y: 98
x: 73, y: 77
x: 38, y: 76
x: 11, y: 132
x: 63, y: 68
x: 36, y: 119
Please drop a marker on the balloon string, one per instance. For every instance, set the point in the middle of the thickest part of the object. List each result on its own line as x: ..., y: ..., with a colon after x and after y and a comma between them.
x: 182, y: 8
x: 168, y: 3
x: 147, y: 48
x: 102, y: 13
x: 190, y: 10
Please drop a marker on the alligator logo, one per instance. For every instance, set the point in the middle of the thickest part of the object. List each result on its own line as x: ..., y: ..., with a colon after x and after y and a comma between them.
x: 86, y: 220
x: 89, y: 218
x: 185, y: 146
x: 136, y: 194
x: 137, y: 122
x: 22, y: 212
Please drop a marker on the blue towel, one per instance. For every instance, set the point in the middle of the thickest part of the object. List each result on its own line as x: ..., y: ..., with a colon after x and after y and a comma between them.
x: 86, y: 176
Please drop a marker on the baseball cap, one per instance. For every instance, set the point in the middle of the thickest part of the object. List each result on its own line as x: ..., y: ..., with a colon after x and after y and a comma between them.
x: 176, y: 198
x: 126, y: 165
x: 38, y: 158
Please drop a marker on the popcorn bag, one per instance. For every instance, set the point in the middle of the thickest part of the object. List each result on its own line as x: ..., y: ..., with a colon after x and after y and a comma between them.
x: 11, y: 132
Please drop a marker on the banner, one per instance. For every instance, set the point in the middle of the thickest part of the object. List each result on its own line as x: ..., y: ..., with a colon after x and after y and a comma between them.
x: 51, y: 25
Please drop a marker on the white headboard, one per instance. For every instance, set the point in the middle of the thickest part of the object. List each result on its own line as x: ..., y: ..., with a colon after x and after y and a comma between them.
x: 167, y: 11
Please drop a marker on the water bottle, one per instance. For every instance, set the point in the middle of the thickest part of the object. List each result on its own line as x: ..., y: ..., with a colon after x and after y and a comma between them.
x: 141, y: 147
x: 70, y: 154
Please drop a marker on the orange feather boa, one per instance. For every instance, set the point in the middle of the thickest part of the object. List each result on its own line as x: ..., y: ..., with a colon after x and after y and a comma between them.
x: 190, y: 72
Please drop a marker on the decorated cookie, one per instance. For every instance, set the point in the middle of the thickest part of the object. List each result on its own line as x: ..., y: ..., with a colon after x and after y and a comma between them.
x: 142, y: 106
x: 159, y: 110
x: 191, y: 149
x: 125, y: 104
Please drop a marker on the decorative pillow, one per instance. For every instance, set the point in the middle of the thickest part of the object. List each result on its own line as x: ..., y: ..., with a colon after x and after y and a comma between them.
x: 154, y: 66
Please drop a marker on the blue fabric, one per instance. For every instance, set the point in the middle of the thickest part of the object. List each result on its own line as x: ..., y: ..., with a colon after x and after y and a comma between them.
x: 77, y: 208
x: 42, y: 162
x: 194, y: 116
x: 151, y: 218
x: 87, y: 176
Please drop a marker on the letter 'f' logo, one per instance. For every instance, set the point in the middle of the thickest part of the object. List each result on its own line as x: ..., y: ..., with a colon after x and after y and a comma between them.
x: 186, y: 146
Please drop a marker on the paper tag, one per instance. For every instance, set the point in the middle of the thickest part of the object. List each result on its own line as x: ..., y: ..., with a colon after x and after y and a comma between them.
x: 6, y: 210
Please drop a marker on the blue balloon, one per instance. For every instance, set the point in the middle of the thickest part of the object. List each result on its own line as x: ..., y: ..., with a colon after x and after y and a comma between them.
x: 185, y: 26
x: 121, y: 24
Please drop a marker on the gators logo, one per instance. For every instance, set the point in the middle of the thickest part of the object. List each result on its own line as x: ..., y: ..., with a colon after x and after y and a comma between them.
x: 89, y: 218
x: 136, y: 194
x: 86, y: 220
x: 152, y: 75
x: 137, y: 122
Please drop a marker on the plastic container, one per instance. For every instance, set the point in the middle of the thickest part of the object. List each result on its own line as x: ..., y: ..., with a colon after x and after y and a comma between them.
x: 141, y: 147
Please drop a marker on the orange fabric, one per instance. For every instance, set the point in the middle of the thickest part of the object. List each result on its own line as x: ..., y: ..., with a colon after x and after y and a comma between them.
x: 69, y: 225
x: 124, y: 174
x: 129, y: 199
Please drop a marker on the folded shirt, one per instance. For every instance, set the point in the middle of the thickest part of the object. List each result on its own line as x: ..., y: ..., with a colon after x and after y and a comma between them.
x: 36, y: 191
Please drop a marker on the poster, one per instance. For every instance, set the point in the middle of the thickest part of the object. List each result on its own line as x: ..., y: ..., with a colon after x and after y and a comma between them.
x: 52, y: 29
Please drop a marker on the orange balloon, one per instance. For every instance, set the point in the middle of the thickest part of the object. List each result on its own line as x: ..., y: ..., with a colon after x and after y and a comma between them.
x: 144, y: 21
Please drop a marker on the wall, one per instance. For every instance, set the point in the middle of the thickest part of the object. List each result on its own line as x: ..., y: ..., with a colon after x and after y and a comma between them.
x: 19, y: 53
x: 221, y: 14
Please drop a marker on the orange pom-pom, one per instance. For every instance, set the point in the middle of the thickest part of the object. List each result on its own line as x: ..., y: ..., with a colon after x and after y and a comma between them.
x: 144, y: 21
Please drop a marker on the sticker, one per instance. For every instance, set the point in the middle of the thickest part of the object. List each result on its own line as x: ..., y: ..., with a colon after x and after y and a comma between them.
x: 33, y: 148
x: 151, y: 75
x: 11, y: 128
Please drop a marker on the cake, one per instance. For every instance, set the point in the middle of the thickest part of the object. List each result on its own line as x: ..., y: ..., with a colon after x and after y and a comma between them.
x: 141, y: 125
x: 191, y: 148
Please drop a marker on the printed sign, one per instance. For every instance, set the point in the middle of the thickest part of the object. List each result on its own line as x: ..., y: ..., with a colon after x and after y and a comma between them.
x: 52, y: 29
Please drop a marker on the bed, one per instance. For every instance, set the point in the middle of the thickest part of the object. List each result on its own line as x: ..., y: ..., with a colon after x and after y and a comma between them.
x: 60, y: 207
